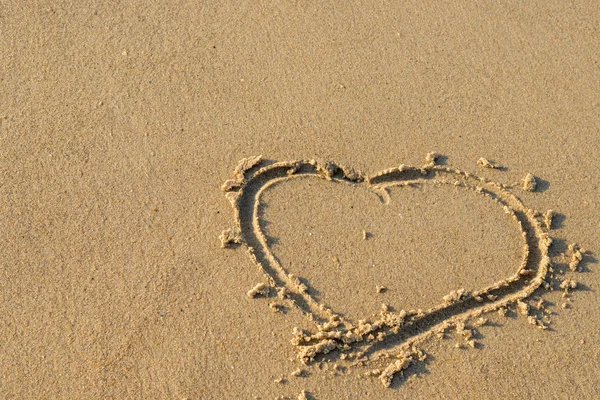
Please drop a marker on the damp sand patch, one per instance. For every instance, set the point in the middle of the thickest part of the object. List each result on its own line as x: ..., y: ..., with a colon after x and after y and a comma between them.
x: 357, y: 342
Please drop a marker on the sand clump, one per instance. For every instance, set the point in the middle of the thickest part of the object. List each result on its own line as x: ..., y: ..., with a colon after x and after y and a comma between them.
x: 568, y: 284
x: 396, y: 367
x: 380, y: 289
x: 529, y: 183
x: 276, y: 308
x: 239, y: 173
x: 456, y: 296
x: 299, y: 373
x: 304, y: 395
x: 523, y: 307
x: 576, y: 257
x: 548, y: 218
x: 229, y: 237
x: 485, y: 163
x: 308, y: 353
x: 260, y: 290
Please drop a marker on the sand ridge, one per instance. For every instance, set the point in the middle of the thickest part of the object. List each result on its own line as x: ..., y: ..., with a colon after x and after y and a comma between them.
x: 411, y: 328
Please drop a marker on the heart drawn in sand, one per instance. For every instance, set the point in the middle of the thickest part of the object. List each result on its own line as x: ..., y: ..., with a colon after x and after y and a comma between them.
x: 333, y: 331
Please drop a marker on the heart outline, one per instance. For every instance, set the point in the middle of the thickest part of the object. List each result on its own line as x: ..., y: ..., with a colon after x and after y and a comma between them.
x: 253, y: 176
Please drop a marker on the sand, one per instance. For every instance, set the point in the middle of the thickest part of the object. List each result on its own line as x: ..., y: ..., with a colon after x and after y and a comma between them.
x: 416, y: 215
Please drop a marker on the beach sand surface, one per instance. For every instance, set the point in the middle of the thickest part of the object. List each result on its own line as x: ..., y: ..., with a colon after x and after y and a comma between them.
x: 120, y: 121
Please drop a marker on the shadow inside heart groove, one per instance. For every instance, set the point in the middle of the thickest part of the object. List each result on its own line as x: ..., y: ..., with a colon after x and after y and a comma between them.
x: 315, y: 229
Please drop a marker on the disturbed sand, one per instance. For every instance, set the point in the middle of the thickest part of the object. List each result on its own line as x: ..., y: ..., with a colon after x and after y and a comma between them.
x: 368, y: 268
x: 405, y: 331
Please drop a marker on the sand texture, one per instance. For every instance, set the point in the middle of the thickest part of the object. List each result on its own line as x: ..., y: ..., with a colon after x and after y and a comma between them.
x: 249, y: 200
